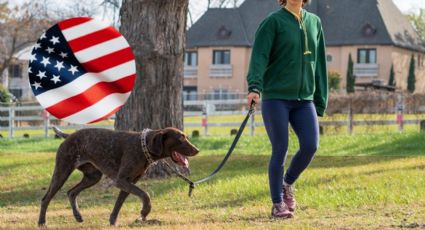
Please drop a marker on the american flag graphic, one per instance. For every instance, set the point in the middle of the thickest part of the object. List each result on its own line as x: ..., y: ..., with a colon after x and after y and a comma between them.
x: 81, y: 70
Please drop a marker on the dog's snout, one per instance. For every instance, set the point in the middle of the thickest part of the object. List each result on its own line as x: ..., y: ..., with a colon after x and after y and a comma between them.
x: 195, y: 150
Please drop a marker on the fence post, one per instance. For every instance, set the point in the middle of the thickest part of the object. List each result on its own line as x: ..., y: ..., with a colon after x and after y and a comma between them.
x: 205, y: 118
x: 46, y: 118
x: 11, y: 121
x: 399, y: 110
x: 350, y: 118
x: 252, y: 131
x: 422, y: 125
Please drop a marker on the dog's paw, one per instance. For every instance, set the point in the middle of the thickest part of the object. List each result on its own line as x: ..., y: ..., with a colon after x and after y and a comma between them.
x: 142, y: 220
x: 79, y: 219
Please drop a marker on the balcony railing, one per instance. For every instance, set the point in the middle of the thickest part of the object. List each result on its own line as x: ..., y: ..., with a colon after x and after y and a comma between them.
x: 366, y: 70
x: 190, y: 71
x: 220, y: 70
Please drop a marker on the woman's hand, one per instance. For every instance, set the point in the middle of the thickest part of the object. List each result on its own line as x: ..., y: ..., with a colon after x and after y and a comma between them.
x: 253, y: 97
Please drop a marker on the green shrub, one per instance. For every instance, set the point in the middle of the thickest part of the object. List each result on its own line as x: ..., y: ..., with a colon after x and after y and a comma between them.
x: 334, y: 80
x: 4, y: 95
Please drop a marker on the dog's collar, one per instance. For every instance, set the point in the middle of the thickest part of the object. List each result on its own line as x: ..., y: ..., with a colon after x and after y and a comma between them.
x: 145, y: 149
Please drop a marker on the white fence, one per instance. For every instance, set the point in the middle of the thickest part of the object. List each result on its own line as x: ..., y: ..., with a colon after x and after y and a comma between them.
x: 11, y: 121
x: 41, y: 120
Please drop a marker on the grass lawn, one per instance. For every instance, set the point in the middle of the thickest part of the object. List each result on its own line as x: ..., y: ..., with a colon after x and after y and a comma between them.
x: 370, y: 181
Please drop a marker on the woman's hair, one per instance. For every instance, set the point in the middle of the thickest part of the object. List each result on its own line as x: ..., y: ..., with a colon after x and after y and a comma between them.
x: 283, y: 2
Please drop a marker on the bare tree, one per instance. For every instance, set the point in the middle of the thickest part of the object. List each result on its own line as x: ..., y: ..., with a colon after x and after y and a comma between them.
x: 19, y: 27
x: 22, y: 25
x: 87, y: 8
x: 112, y: 7
x: 156, y: 32
x: 223, y: 3
x: 195, y: 9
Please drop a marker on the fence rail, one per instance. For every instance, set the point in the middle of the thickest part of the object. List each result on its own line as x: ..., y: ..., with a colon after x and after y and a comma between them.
x: 42, y: 121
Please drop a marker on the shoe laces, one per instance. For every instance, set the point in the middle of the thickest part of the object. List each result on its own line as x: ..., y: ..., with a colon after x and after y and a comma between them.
x: 280, y: 207
x: 288, y: 191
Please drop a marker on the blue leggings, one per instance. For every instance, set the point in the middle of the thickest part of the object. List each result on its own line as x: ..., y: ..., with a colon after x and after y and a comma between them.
x: 303, y: 119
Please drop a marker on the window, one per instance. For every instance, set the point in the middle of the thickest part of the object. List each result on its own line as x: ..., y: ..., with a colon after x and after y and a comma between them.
x: 15, y: 71
x: 366, y: 56
x: 16, y: 92
x: 189, y: 93
x: 191, y: 58
x: 329, y: 58
x: 221, y: 57
x: 221, y: 94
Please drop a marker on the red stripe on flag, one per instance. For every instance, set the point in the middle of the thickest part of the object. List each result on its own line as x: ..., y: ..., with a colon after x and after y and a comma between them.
x: 91, y: 96
x: 107, y: 115
x: 108, y: 61
x: 65, y: 24
x: 93, y: 39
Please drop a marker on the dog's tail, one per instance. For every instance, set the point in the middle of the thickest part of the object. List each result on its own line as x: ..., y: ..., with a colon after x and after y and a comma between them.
x: 59, y: 132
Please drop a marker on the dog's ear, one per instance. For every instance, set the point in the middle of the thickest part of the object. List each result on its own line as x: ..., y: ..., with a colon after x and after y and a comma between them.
x: 156, y: 145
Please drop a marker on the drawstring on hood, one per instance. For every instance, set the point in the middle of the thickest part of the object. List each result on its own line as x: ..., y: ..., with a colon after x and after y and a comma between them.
x: 301, y: 22
x: 307, y: 50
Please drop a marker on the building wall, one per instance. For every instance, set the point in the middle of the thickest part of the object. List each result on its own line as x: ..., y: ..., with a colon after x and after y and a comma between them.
x: 22, y: 83
x: 402, y: 59
x: 340, y: 55
x: 386, y: 56
x: 239, y: 58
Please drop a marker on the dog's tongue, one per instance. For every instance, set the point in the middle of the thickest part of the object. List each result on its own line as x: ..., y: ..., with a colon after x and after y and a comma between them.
x: 180, y: 159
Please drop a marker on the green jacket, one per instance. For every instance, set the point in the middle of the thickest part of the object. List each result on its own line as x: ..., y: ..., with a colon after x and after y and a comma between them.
x: 288, y: 59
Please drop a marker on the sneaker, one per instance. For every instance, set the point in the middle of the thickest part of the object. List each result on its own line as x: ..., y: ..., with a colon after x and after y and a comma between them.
x: 288, y: 197
x: 280, y: 210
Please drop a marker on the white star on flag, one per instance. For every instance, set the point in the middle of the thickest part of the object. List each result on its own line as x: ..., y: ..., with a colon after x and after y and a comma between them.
x: 73, y: 69
x: 41, y: 74
x: 37, y: 85
x: 43, y: 36
x: 63, y: 55
x: 37, y: 45
x: 55, y: 79
x: 54, y: 40
x: 29, y: 70
x: 59, y: 65
x: 45, y: 61
x: 50, y: 50
x: 32, y: 58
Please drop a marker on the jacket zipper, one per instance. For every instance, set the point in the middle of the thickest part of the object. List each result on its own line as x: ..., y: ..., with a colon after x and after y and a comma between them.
x: 302, y: 60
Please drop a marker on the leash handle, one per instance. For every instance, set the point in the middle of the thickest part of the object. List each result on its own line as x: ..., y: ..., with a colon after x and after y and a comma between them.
x: 252, y: 106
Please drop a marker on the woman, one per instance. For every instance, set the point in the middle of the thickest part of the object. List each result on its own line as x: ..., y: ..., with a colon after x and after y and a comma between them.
x: 288, y: 70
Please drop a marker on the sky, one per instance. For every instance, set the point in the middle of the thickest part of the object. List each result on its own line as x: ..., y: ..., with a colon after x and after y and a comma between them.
x: 410, y: 5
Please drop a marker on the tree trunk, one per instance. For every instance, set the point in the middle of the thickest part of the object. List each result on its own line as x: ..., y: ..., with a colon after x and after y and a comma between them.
x: 156, y: 32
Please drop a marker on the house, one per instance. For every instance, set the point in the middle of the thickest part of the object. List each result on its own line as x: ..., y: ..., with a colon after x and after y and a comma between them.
x: 16, y: 78
x: 375, y: 32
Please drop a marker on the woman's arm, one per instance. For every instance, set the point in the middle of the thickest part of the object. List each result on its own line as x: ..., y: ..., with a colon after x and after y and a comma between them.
x: 262, y: 46
x: 321, y: 76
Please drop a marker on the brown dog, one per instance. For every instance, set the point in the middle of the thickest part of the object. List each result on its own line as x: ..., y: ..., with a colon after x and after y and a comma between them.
x: 118, y: 155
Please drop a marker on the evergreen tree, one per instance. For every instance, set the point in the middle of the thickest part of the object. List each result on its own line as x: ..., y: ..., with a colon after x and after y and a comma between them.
x: 350, y: 77
x: 391, y: 81
x: 411, y: 78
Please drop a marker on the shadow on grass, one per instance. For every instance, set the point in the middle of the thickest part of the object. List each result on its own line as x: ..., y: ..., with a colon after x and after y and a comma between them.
x: 411, y: 145
x: 238, y: 165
